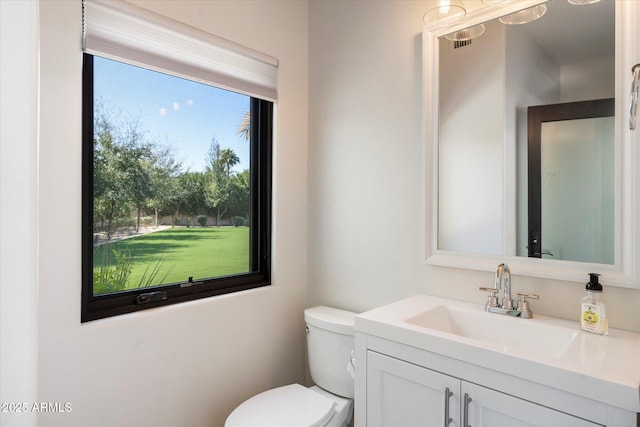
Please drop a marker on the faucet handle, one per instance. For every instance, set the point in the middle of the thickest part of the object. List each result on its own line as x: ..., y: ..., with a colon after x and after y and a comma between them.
x: 523, y: 305
x: 492, y: 299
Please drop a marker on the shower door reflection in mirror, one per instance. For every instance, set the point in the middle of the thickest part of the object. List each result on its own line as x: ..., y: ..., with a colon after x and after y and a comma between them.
x: 571, y: 181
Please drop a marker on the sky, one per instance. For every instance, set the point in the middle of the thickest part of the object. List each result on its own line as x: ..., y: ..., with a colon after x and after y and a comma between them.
x: 182, y: 114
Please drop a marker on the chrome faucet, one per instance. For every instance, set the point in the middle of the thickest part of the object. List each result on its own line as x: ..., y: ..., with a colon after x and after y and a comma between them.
x: 503, y: 275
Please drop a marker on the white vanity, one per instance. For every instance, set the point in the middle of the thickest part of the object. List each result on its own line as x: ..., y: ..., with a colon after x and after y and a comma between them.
x: 428, y: 361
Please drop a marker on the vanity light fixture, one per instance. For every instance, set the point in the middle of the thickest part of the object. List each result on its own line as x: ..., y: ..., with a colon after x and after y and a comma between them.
x: 526, y: 15
x: 582, y: 2
x: 466, y: 34
x: 498, y: 2
x: 445, y: 12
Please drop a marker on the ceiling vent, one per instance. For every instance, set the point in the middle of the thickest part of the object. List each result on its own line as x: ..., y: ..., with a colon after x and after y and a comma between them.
x: 458, y: 44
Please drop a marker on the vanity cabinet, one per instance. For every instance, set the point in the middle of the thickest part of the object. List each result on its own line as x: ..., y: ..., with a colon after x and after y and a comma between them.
x: 403, y: 394
x: 416, y: 359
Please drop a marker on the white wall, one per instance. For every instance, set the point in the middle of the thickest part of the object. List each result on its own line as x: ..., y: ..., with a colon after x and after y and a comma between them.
x: 472, y: 91
x: 188, y: 364
x: 592, y: 79
x: 18, y: 210
x: 366, y: 170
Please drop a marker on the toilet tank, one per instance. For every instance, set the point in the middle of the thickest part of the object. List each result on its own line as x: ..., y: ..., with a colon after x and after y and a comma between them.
x: 329, y: 345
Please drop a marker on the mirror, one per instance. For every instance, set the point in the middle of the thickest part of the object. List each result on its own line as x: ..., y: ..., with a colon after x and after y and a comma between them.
x: 478, y: 92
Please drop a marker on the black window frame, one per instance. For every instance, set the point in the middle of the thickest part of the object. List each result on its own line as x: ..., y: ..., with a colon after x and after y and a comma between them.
x: 106, y: 305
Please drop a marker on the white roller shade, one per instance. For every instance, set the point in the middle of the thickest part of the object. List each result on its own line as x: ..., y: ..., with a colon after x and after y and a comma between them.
x: 122, y: 31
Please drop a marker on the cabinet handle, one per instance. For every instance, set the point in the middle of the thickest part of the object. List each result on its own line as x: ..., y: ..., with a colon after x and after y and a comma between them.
x: 447, y: 395
x: 465, y: 411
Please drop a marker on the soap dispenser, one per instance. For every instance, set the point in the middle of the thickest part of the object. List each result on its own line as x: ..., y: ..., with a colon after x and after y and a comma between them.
x: 593, y: 316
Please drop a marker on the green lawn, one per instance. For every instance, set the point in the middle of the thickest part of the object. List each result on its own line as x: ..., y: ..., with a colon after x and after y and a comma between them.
x: 180, y: 253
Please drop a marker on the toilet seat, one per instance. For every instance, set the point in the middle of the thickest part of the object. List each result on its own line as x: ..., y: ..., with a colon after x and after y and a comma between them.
x: 288, y: 406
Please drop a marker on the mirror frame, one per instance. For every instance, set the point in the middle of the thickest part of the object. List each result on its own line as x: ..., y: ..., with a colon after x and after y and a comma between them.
x: 624, y: 271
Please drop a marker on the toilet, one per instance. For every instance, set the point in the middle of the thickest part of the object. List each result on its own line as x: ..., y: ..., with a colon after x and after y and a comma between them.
x: 329, y: 403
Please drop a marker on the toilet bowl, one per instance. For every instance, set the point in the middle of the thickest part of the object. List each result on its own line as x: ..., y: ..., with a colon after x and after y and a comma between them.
x: 329, y: 403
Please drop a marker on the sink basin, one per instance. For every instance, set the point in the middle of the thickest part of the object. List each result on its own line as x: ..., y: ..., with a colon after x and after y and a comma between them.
x: 503, y: 333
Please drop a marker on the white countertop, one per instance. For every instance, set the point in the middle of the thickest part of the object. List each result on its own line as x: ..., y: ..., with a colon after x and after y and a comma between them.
x: 603, y: 368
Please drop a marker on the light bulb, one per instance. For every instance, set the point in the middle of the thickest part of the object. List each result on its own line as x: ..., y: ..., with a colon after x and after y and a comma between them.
x: 444, y: 12
x: 525, y: 15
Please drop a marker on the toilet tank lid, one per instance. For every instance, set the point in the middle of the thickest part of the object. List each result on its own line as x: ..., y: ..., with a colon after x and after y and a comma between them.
x: 330, y: 319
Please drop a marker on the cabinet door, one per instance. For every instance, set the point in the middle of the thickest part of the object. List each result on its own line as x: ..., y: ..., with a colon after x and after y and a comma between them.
x: 401, y: 394
x: 489, y: 408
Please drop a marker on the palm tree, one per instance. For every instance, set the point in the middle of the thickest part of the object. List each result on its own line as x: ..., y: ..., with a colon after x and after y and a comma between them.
x: 228, y: 159
x: 245, y: 126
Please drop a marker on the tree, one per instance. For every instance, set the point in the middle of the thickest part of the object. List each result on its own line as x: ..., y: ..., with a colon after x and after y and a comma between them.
x: 135, y: 162
x: 164, y: 170
x: 217, y: 196
x: 228, y: 159
x: 129, y: 172
x: 213, y: 156
x: 219, y: 178
x: 191, y: 198
x: 240, y: 194
x: 111, y: 195
x: 244, y: 128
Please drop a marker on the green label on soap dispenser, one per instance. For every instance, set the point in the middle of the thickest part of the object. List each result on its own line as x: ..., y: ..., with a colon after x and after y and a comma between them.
x: 592, y: 319
x: 589, y: 316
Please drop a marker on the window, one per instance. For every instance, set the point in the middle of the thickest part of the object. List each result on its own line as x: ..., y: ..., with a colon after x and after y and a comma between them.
x: 176, y: 181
